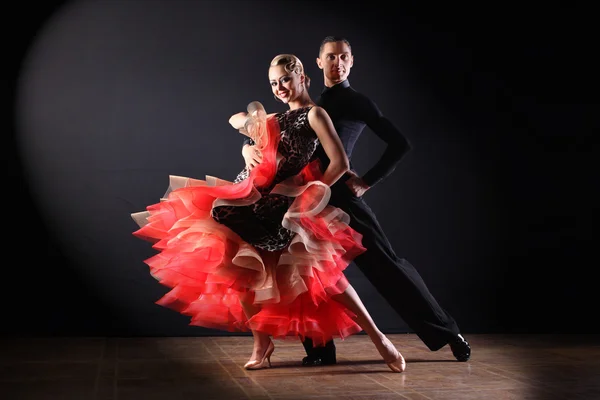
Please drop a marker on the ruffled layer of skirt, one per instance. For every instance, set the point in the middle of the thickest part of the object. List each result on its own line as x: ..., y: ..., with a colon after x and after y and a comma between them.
x: 210, y: 269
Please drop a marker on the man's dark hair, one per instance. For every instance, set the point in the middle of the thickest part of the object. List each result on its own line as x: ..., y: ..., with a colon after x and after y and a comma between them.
x: 333, y: 39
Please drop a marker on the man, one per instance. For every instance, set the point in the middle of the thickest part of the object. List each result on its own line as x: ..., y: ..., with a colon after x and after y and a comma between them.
x: 395, y: 278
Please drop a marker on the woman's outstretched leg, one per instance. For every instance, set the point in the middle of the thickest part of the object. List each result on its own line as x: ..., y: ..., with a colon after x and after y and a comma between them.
x: 263, y: 345
x: 393, y: 358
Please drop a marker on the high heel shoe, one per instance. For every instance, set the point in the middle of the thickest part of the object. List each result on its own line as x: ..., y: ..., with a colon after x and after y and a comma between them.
x: 397, y: 363
x: 264, y: 362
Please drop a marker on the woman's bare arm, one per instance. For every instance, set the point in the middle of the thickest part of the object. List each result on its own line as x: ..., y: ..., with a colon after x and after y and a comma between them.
x: 321, y: 123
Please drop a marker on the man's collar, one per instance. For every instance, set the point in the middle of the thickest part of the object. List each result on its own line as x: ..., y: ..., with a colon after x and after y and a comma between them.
x: 343, y: 84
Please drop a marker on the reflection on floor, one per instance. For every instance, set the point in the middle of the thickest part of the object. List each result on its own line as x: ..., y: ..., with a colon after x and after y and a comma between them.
x: 501, y: 367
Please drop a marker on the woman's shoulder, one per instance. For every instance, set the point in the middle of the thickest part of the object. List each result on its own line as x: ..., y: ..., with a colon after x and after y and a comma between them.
x: 317, y: 112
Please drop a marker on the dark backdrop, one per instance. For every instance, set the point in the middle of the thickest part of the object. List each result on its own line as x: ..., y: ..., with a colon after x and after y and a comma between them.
x: 493, y: 205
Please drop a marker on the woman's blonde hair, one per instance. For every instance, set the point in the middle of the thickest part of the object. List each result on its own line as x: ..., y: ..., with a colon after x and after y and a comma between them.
x: 291, y: 63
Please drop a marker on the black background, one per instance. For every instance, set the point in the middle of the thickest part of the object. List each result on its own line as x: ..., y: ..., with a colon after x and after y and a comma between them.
x: 494, y: 206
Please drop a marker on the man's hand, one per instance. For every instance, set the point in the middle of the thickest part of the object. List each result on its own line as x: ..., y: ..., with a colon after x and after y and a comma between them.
x: 252, y: 156
x: 356, y: 185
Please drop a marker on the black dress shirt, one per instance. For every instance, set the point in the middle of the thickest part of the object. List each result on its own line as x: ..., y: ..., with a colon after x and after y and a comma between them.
x: 350, y: 112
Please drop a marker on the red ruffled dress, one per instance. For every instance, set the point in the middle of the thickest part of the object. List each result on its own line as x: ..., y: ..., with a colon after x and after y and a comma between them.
x: 269, y: 237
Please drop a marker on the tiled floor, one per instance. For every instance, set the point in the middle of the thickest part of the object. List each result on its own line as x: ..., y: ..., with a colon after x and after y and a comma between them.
x: 502, y: 367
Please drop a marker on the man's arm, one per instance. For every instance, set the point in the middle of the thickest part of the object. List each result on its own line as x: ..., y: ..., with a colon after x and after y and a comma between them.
x: 396, y: 143
x: 252, y: 156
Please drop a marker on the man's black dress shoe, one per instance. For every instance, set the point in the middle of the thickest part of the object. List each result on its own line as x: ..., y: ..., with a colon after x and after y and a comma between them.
x: 310, y: 361
x: 318, y: 355
x: 460, y: 348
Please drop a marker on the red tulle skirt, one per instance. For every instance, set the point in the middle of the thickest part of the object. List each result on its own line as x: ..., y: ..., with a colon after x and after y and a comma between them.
x: 210, y: 269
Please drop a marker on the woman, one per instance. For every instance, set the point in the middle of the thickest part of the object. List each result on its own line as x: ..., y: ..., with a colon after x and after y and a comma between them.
x: 266, y: 253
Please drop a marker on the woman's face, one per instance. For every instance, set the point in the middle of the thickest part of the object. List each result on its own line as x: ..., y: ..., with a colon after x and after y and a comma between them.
x: 285, y: 85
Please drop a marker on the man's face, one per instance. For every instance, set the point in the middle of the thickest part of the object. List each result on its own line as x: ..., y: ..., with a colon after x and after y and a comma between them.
x: 335, y: 60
